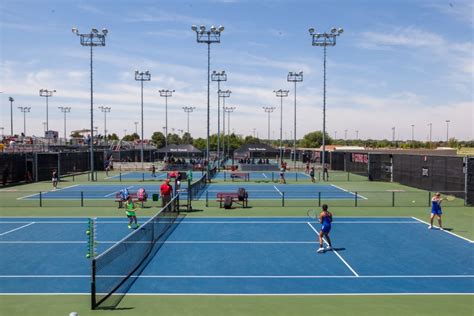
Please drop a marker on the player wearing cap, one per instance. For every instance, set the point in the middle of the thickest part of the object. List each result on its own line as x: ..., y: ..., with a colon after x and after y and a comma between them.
x: 166, y: 190
x: 436, y: 210
x: 325, y: 218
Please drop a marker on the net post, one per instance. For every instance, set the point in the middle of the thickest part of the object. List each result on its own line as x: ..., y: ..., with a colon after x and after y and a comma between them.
x: 120, y: 176
x: 143, y: 176
x: 319, y: 198
x: 348, y: 176
x: 296, y: 175
x: 283, y: 199
x: 225, y: 176
x: 41, y: 199
x: 429, y: 198
x: 273, y: 176
x: 93, y: 288
x: 393, y: 198
x: 82, y: 198
x: 355, y: 199
x: 207, y: 198
x: 189, y: 195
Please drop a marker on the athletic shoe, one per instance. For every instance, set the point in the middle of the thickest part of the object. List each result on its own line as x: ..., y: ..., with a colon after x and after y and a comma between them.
x: 441, y: 228
x: 320, y: 250
x: 430, y: 227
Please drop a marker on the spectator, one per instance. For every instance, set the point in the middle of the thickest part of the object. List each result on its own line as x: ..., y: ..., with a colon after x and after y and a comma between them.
x: 166, y: 191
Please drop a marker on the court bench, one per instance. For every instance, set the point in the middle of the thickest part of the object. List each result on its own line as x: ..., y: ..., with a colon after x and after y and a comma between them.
x: 234, y: 196
x: 245, y: 176
x: 134, y: 197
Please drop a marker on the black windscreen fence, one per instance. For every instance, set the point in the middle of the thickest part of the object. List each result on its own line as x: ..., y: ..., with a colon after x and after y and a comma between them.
x: 432, y: 173
x: 13, y: 168
x: 380, y: 167
x: 469, y: 175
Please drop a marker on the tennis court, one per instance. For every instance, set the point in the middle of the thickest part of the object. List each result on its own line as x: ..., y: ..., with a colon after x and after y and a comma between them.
x: 290, y: 191
x: 136, y: 175
x: 99, y: 191
x: 245, y: 256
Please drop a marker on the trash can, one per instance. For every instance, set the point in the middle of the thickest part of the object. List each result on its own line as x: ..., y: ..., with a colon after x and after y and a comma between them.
x: 155, y: 197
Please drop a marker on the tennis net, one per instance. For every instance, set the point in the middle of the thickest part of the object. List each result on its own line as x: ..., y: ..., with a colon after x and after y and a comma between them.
x: 197, y: 188
x: 115, y: 270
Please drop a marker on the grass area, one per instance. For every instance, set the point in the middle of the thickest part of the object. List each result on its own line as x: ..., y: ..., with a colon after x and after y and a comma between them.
x: 460, y: 219
x: 246, y: 305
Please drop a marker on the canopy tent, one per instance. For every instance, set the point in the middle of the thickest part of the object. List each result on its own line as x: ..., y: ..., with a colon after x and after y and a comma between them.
x: 184, y: 150
x: 255, y: 151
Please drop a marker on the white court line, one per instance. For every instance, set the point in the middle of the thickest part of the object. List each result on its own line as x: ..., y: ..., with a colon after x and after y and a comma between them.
x: 44, y: 192
x: 335, y: 251
x: 358, y: 195
x: 110, y: 194
x: 161, y: 242
x: 245, y: 294
x: 68, y: 187
x: 246, y: 276
x: 446, y: 231
x: 304, y: 174
x: 276, y: 189
x: 117, y: 176
x: 264, y: 175
x: 221, y: 222
x: 10, y: 231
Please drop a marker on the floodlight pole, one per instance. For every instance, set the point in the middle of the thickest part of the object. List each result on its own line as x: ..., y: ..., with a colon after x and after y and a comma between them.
x: 105, y: 109
x: 295, y: 77
x: 218, y: 76
x: 357, y: 134
x: 324, y: 39
x: 412, y: 133
x: 136, y: 127
x: 447, y: 131
x: 47, y: 94
x: 142, y: 76
x: 268, y: 110
x: 188, y: 110
x: 223, y: 94
x: 94, y: 38
x: 24, y: 109
x: 228, y: 109
x: 166, y: 94
x: 210, y: 36
x: 11, y: 115
x: 65, y: 110
x: 431, y: 130
x: 393, y: 136
x: 281, y: 94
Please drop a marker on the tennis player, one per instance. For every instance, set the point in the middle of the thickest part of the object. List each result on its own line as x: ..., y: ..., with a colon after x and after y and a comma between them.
x: 325, y: 218
x: 436, y: 210
x: 311, y: 174
x: 54, y: 179
x: 130, y: 211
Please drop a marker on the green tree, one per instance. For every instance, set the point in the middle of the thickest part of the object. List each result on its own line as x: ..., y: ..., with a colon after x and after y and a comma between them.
x: 200, y: 143
x: 314, y: 140
x: 174, y: 139
x: 251, y: 140
x: 113, y: 136
x: 187, y: 139
x: 158, y: 139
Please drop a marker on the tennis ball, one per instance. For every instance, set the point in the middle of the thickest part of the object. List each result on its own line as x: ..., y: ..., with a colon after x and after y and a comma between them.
x: 413, y: 201
x: 88, y: 232
x: 88, y: 255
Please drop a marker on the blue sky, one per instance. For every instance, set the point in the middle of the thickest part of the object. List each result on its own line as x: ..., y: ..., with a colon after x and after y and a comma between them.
x: 398, y: 63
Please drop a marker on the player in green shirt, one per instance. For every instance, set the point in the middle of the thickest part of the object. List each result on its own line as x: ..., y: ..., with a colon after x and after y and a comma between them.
x: 130, y: 211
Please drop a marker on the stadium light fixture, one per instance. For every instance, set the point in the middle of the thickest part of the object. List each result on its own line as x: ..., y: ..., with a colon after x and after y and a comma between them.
x: 218, y: 76
x: 142, y: 76
x: 324, y: 39
x: 295, y: 77
x: 208, y: 37
x: 281, y: 94
x: 91, y: 40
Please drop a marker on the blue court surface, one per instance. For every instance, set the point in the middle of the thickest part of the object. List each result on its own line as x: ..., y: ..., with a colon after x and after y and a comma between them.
x: 262, y: 176
x: 245, y: 256
x: 146, y: 176
x: 291, y: 191
x: 96, y: 192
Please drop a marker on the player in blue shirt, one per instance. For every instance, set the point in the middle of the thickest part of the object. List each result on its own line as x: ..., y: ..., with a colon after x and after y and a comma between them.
x: 325, y: 218
x: 436, y: 210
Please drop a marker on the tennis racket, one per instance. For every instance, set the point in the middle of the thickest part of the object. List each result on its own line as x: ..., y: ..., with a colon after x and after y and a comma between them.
x: 449, y: 198
x: 312, y: 214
